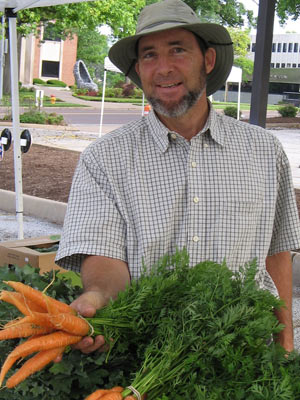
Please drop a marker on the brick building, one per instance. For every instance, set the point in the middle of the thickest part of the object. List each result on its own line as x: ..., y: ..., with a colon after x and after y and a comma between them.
x: 49, y: 58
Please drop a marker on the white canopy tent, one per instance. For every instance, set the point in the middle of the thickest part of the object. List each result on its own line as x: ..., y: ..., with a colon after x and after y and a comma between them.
x: 108, y: 66
x: 10, y: 8
x: 235, y: 76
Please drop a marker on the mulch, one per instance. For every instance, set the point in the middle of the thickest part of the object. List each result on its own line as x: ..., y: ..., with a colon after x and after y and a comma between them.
x: 47, y: 172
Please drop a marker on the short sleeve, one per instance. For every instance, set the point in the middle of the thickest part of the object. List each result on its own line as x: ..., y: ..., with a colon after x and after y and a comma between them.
x: 93, y: 224
x: 286, y: 228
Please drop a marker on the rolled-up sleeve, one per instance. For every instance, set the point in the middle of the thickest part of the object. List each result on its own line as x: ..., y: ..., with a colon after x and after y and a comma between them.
x: 286, y: 228
x: 93, y: 224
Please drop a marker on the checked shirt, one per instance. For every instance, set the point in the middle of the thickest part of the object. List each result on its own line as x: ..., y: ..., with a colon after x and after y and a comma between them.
x: 142, y: 191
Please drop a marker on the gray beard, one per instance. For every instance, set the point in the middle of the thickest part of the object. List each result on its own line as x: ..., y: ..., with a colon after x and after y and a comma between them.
x: 187, y: 102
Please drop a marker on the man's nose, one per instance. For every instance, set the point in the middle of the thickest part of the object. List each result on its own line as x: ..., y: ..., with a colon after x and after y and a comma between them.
x: 164, y: 65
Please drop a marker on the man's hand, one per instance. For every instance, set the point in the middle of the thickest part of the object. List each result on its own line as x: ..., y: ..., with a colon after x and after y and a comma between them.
x: 86, y: 305
x: 103, y: 278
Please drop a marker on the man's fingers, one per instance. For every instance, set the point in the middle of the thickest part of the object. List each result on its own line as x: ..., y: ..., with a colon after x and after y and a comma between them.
x: 88, y: 345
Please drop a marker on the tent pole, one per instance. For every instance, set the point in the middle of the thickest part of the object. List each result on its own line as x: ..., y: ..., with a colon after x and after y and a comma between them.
x: 239, y: 101
x: 14, y: 77
x: 102, y: 103
x: 2, y: 56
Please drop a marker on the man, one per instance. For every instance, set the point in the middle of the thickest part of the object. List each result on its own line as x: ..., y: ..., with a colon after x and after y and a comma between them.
x: 184, y: 176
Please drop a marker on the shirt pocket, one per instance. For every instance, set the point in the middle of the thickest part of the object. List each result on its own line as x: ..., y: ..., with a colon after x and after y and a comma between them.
x: 236, y: 230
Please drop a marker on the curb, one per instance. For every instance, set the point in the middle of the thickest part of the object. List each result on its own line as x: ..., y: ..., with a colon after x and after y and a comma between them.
x: 43, y: 127
x: 48, y: 210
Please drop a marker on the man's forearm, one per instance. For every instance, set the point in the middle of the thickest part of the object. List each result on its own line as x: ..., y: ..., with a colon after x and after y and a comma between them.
x: 105, y: 275
x: 279, y: 266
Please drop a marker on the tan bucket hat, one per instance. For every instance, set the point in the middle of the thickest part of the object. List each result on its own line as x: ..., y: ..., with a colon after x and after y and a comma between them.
x: 170, y: 14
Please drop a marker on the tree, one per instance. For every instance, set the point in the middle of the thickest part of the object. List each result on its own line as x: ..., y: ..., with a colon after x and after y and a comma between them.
x: 120, y: 15
x: 92, y: 49
x: 288, y: 8
x: 247, y: 67
x: 228, y: 12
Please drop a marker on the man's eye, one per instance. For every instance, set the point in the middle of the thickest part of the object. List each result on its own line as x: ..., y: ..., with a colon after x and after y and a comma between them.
x: 147, y: 56
x: 178, y: 50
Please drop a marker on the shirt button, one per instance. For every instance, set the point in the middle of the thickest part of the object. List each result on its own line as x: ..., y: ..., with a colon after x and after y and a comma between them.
x: 194, y: 164
x: 196, y: 199
x: 173, y: 136
x: 206, y: 145
x: 196, y: 239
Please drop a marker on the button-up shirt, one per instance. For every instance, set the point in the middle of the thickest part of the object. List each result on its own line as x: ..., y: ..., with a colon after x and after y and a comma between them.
x: 142, y: 191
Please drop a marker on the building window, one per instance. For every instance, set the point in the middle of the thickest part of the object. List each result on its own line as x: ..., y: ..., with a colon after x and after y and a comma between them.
x: 283, y: 65
x: 284, y: 48
x: 278, y: 47
x: 294, y: 65
x: 253, y: 47
x: 298, y: 65
x: 296, y: 47
x: 273, y: 47
x: 272, y: 65
x: 290, y: 47
x: 288, y: 65
x: 277, y: 65
x: 50, y: 69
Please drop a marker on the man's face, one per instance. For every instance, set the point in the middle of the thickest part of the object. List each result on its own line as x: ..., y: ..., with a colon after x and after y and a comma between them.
x: 173, y: 70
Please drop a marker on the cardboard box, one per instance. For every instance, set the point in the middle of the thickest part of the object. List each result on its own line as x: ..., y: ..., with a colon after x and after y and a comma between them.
x: 22, y: 252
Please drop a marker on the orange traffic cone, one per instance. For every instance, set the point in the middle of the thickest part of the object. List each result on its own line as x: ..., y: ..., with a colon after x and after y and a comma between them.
x: 147, y: 109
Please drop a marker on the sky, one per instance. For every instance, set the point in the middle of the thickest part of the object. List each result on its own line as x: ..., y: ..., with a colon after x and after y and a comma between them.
x: 290, y: 26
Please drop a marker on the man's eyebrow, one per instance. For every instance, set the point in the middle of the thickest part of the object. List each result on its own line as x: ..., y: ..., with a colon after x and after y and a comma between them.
x: 151, y: 47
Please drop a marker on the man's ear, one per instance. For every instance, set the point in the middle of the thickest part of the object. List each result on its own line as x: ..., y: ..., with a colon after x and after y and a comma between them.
x: 137, y: 68
x: 210, y: 59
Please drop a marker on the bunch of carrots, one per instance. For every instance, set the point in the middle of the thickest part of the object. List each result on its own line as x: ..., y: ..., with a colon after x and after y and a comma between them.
x: 50, y: 326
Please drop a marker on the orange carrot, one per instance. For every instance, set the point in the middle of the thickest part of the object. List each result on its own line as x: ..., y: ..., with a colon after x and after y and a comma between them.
x: 117, y: 389
x: 64, y: 322
x: 112, y: 396
x: 45, y: 342
x: 70, y: 323
x: 41, y: 319
x: 8, y: 363
x: 40, y: 298
x: 25, y: 306
x: 98, y: 394
x: 22, y: 330
x: 130, y: 397
x: 34, y: 364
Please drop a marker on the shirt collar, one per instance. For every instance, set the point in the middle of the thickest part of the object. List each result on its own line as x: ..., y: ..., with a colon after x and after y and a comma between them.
x: 160, y: 132
x: 214, y: 126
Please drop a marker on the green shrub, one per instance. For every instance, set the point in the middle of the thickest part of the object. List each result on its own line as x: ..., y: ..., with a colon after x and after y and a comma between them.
x: 113, y: 92
x: 138, y: 93
x: 25, y: 89
x: 55, y: 119
x: 37, y: 81
x: 231, y: 111
x: 37, y: 117
x: 288, y: 111
x: 33, y: 117
x: 56, y: 82
x: 80, y: 91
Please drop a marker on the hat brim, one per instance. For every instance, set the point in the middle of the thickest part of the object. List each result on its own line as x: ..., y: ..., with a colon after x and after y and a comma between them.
x: 123, y: 53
